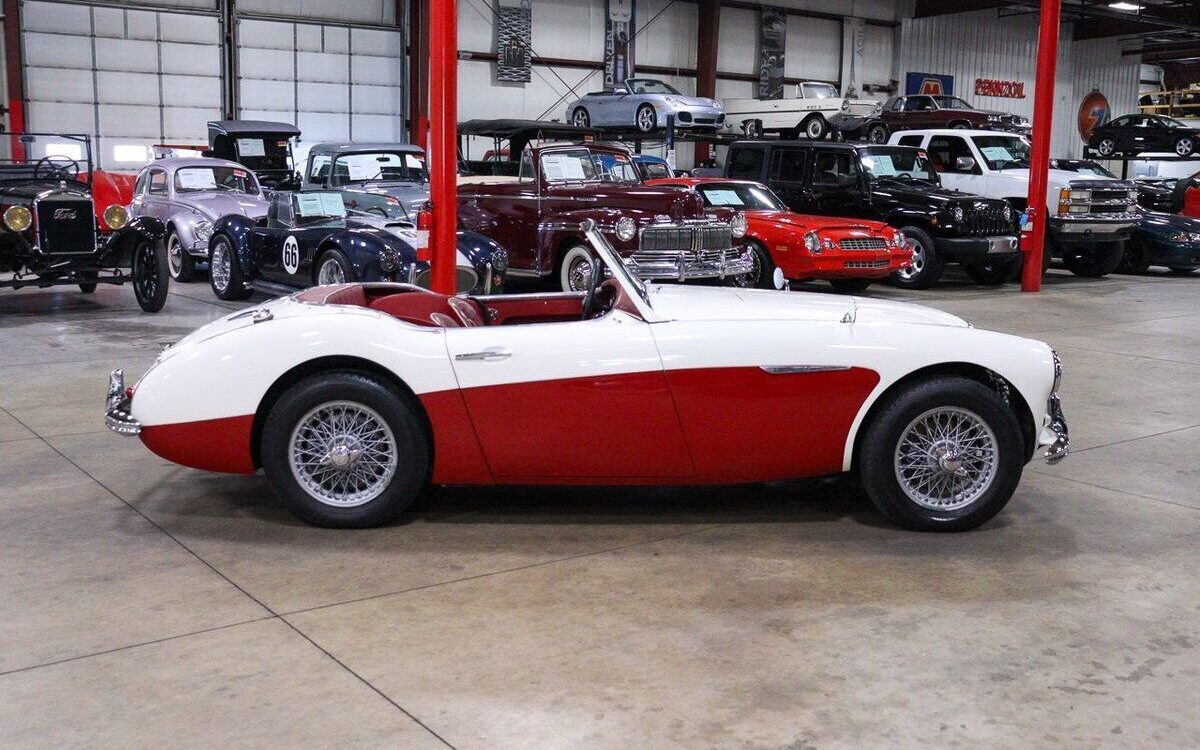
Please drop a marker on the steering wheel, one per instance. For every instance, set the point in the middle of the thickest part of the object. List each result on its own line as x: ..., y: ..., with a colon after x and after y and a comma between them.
x: 64, y: 171
x: 904, y: 176
x: 377, y: 211
x: 589, y: 300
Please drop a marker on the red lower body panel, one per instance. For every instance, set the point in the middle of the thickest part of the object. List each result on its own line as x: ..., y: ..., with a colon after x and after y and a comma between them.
x: 211, y: 444
x: 457, y: 458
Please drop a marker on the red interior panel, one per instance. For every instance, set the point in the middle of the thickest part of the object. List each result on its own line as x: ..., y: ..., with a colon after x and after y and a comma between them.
x: 1191, y: 203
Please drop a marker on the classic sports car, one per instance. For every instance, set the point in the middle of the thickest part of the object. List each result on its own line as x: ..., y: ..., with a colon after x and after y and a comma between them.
x: 307, y: 238
x: 1137, y: 134
x: 643, y: 104
x: 1163, y: 240
x: 850, y: 253
x: 50, y: 235
x: 188, y: 196
x: 353, y: 397
x: 664, y: 233
x: 368, y: 174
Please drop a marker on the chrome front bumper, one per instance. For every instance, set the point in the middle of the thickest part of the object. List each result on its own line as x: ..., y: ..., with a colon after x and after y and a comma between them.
x: 685, y: 265
x: 1061, y: 446
x: 116, y: 407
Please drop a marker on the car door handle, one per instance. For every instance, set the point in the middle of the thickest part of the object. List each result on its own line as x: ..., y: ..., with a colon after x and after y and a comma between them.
x: 491, y: 354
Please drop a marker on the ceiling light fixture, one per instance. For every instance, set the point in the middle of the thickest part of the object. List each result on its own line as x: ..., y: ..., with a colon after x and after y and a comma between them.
x: 1132, y: 7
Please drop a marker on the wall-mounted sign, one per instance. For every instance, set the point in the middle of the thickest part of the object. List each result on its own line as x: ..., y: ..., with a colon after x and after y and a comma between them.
x: 514, y: 30
x: 1094, y: 111
x: 1002, y: 89
x: 854, y: 50
x: 929, y: 84
x: 772, y: 43
x: 619, y: 33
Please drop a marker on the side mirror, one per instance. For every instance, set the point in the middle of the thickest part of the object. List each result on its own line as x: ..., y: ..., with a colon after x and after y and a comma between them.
x: 621, y: 91
x: 964, y: 164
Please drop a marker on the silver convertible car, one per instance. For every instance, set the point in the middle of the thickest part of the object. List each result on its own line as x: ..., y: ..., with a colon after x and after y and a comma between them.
x: 643, y: 104
x: 188, y: 195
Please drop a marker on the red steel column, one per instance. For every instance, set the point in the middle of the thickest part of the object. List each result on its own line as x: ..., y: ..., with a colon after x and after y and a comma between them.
x: 443, y: 132
x: 707, y: 35
x: 1039, y: 162
x: 13, y: 68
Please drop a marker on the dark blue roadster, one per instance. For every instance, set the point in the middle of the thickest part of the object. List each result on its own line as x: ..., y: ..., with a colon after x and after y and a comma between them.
x: 307, y: 238
x: 1163, y: 240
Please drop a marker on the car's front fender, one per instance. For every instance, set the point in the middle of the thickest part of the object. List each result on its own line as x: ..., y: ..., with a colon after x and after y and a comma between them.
x: 119, y: 244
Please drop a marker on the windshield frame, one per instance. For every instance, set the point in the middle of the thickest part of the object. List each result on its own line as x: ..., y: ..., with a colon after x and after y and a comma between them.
x: 334, y: 157
x: 637, y: 290
x: 884, y: 148
x: 250, y: 178
x: 775, y: 203
x: 997, y: 166
x: 819, y: 85
x: 595, y: 157
x: 671, y: 90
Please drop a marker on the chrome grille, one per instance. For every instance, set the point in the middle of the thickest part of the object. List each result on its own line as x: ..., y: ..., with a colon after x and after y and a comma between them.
x: 689, y: 256
x: 66, y: 226
x: 870, y: 264
x: 862, y: 243
x: 676, y: 238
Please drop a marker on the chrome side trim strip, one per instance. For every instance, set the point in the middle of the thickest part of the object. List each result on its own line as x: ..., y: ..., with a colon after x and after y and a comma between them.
x: 801, y: 369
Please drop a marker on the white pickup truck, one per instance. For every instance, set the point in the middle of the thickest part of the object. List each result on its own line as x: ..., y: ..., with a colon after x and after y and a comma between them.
x: 816, y: 110
x: 1089, y: 217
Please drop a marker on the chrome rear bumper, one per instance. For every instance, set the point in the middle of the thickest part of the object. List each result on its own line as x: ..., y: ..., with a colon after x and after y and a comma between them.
x: 116, y: 407
x: 684, y: 265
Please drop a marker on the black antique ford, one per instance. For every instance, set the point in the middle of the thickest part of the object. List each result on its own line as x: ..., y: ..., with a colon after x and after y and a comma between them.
x: 53, y: 233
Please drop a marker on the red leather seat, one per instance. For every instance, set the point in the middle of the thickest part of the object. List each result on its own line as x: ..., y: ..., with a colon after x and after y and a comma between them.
x: 429, y: 309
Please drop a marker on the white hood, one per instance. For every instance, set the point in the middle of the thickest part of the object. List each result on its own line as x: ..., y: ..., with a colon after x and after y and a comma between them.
x: 676, y: 302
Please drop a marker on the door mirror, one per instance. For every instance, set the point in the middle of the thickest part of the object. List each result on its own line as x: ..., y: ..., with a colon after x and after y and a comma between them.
x: 964, y: 164
x: 620, y: 91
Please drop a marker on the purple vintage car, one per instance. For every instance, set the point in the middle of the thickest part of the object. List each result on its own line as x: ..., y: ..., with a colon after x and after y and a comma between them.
x: 188, y: 195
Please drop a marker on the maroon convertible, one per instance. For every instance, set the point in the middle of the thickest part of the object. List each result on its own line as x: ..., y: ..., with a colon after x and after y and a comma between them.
x: 660, y: 232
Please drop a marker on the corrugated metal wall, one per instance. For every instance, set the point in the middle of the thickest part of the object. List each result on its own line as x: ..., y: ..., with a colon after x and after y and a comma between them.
x: 983, y: 44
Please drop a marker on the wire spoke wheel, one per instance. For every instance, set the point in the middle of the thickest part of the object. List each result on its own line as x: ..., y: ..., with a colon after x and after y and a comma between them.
x: 343, y: 454
x: 946, y: 459
x: 331, y: 272
x: 219, y: 266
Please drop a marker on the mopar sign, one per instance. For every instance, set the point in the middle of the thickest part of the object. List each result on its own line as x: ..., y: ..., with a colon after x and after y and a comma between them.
x: 930, y: 84
x: 1094, y: 110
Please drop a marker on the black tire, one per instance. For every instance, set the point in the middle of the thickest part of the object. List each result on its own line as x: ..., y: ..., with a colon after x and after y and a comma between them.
x: 88, y: 287
x: 763, y: 277
x: 149, y: 275
x: 181, y: 263
x: 850, y: 286
x: 994, y: 273
x: 752, y: 129
x: 877, y: 133
x: 398, y: 413
x: 1182, y: 271
x: 581, y: 117
x: 815, y: 128
x: 1135, y: 260
x: 225, y: 271
x: 645, y: 119
x: 1094, y: 261
x: 332, y: 262
x: 927, y: 267
x: 879, y: 453
x: 960, y: 126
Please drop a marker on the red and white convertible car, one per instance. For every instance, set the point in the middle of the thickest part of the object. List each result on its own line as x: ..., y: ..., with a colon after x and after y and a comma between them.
x: 354, y: 397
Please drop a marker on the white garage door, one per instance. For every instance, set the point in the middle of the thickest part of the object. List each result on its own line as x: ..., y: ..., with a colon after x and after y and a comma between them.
x: 130, y: 78
x: 335, y: 83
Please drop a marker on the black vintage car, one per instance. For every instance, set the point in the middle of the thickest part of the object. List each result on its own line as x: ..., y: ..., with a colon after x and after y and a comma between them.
x: 309, y: 238
x: 53, y: 233
x: 1139, y: 134
x: 895, y: 185
x: 262, y: 146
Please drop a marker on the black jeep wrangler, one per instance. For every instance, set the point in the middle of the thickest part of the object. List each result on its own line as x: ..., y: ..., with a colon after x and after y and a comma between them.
x: 52, y: 233
x: 895, y: 185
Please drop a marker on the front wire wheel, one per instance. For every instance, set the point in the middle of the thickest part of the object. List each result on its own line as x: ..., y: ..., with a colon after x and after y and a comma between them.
x: 225, y: 271
x: 944, y: 453
x: 149, y: 275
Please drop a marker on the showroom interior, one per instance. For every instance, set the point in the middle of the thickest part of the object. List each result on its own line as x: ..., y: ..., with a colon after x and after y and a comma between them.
x: 599, y: 373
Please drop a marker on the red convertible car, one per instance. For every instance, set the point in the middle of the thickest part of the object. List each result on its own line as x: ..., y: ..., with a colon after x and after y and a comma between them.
x: 850, y: 253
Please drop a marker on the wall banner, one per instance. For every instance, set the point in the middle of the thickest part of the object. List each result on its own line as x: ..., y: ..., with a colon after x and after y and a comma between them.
x: 514, y: 32
x: 931, y: 84
x: 619, y: 29
x: 772, y: 44
x: 854, y: 56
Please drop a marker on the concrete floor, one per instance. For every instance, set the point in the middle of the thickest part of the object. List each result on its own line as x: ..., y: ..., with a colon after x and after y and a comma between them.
x: 146, y: 605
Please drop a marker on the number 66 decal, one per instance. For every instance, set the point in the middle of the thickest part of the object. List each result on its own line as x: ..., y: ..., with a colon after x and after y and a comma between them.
x: 291, y: 255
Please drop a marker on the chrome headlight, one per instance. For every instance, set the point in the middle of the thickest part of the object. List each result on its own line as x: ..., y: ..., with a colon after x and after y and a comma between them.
x: 845, y: 105
x: 116, y: 216
x: 993, y: 118
x: 1181, y: 237
x: 957, y: 213
x: 500, y: 260
x: 18, y: 218
x: 898, y: 238
x: 626, y: 228
x: 204, y: 229
x: 739, y: 225
x: 812, y: 243
x: 389, y: 260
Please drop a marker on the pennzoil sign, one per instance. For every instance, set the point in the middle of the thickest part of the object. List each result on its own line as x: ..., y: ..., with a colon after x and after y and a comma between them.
x: 998, y: 88
x: 1094, y: 110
